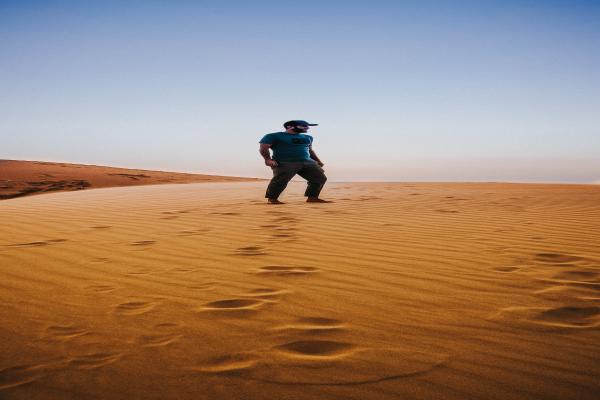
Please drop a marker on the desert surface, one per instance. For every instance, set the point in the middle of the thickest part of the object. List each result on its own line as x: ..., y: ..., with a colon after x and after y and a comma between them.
x: 20, y: 178
x: 393, y: 291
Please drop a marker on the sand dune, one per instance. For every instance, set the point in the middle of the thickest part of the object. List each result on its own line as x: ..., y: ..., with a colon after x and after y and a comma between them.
x: 394, y: 291
x: 24, y: 178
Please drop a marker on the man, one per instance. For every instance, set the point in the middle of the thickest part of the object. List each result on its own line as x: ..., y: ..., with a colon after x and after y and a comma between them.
x: 293, y: 154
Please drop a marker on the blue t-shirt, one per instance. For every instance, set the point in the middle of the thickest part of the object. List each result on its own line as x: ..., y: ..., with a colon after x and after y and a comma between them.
x: 288, y: 147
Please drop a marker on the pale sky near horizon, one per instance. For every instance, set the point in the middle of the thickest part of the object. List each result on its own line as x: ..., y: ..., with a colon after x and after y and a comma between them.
x: 415, y: 90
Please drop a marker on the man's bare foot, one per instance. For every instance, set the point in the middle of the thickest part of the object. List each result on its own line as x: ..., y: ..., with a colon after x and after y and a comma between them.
x: 317, y: 200
x: 275, y: 201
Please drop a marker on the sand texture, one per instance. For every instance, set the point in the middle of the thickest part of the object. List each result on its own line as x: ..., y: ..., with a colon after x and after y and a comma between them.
x: 24, y: 178
x: 394, y: 291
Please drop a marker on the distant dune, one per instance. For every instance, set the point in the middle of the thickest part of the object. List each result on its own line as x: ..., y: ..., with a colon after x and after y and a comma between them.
x: 22, y: 178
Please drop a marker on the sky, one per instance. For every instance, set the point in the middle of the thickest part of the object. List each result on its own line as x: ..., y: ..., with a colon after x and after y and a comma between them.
x: 401, y: 90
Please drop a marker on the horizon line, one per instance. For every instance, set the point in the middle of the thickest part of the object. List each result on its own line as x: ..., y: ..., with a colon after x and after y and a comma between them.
x: 406, y: 180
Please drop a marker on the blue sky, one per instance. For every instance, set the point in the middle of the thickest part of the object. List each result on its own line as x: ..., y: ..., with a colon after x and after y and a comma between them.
x: 423, y: 90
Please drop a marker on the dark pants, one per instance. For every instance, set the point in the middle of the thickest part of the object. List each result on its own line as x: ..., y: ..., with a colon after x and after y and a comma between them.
x: 285, y: 171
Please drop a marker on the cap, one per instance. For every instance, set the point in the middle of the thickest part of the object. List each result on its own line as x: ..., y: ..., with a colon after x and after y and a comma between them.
x: 297, y: 122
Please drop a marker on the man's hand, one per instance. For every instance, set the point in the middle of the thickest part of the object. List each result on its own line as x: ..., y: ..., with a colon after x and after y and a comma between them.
x: 271, y: 163
x: 314, y: 156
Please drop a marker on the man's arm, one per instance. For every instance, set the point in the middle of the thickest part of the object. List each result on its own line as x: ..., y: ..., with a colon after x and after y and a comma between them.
x: 314, y: 156
x: 266, y: 154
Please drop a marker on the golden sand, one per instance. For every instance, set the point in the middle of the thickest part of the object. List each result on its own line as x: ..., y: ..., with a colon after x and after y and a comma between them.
x: 394, y: 291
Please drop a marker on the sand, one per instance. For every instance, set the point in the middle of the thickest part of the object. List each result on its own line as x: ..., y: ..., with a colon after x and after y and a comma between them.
x: 20, y: 178
x: 394, y: 291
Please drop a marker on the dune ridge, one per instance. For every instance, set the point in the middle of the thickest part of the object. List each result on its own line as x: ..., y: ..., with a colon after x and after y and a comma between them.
x: 20, y: 178
x: 412, y: 291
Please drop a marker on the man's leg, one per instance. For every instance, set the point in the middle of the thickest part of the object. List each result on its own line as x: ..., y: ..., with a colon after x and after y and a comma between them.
x: 316, y: 178
x: 282, y: 174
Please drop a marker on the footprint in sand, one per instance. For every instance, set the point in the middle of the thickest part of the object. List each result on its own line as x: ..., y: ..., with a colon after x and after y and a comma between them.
x: 38, y: 243
x: 233, y: 305
x: 64, y: 332
x: 577, y: 275
x: 251, y: 251
x: 316, y: 348
x: 251, y: 365
x: 329, y: 362
x: 20, y: 375
x: 225, y: 213
x: 92, y: 361
x: 286, y: 270
x: 557, y: 258
x: 571, y: 316
x: 507, y: 268
x: 277, y: 236
x: 143, y: 243
x: 134, y: 307
x: 325, y: 362
x: 166, y: 325
x: 175, y: 212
